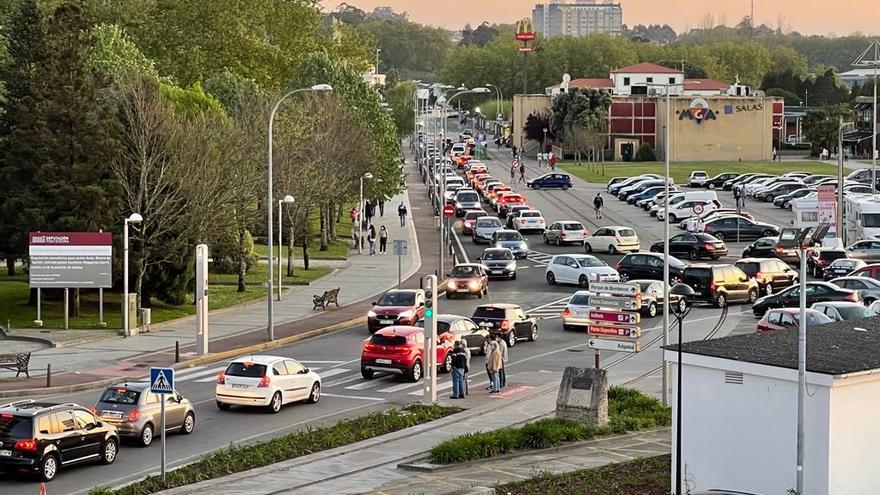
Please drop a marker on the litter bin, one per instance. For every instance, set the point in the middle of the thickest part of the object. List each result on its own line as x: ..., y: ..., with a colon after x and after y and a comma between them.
x: 145, y: 319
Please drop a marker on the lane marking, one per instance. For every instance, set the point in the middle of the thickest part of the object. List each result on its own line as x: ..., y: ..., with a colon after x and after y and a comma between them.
x: 399, y: 387
x: 333, y: 372
x: 342, y: 381
x: 358, y: 397
x: 212, y: 371
x: 323, y: 362
x: 364, y: 385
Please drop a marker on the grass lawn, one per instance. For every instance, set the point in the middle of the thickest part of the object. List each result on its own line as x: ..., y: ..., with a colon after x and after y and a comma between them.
x: 14, y: 296
x: 647, y: 476
x: 681, y: 170
x: 335, y: 250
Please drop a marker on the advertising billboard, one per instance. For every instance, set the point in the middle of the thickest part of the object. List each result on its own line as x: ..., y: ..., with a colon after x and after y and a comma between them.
x: 70, y: 260
x: 827, y: 203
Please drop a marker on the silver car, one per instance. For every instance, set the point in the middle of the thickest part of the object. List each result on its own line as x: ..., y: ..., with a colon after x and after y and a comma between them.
x: 867, y: 250
x: 135, y: 411
x: 485, y: 228
x: 867, y: 287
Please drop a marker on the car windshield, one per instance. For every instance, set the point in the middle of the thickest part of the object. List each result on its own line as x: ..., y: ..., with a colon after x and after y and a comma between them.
x: 532, y: 214
x: 489, y: 222
x: 832, y: 255
x: 469, y: 197
x: 675, y: 262
x: 453, y: 187
x: 464, y: 271
x: 379, y: 339
x: 750, y: 268
x: 120, y: 395
x: 853, y: 312
x: 644, y: 285
x: 498, y: 254
x: 699, y: 174
x: 246, y: 369
x: 844, y: 263
x: 572, y: 226
x: 397, y: 299
x: 15, y: 427
x: 692, y: 275
x: 489, y: 312
x: 509, y: 236
x: 579, y: 300
x: 588, y: 261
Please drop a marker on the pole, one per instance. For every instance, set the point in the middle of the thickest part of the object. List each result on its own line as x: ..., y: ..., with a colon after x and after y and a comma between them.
x: 280, y: 249
x: 360, y: 215
x: 678, y: 488
x: 802, y: 371
x: 101, y: 307
x: 399, y: 269
x: 162, y: 411
x: 40, y: 302
x: 874, y: 136
x: 665, y: 395
x: 838, y: 217
x: 66, y: 309
x: 597, y: 359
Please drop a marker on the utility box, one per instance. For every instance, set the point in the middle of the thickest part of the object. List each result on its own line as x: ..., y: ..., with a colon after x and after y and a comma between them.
x: 132, y: 315
x: 583, y: 396
x: 146, y: 316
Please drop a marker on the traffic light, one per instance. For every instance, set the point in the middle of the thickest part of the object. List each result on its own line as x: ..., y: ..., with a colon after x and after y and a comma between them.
x: 429, y: 303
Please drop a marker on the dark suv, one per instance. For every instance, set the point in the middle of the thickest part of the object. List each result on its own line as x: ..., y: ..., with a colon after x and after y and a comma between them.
x: 649, y: 266
x: 39, y: 437
x: 507, y: 321
x: 770, y: 273
x: 720, y: 284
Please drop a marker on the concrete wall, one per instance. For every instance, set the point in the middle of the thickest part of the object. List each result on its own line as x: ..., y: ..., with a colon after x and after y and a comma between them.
x: 855, y: 434
x: 523, y: 106
x: 641, y: 79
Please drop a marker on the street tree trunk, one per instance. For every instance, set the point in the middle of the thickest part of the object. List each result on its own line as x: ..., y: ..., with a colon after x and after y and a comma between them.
x: 10, y: 265
x: 325, y: 219
x: 335, y: 217
x: 75, y: 306
x: 242, y: 261
x: 305, y: 252
x: 290, y: 246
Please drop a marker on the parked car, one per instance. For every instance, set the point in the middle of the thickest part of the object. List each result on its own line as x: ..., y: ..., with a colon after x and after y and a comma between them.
x: 771, y: 274
x: 720, y: 284
x: 508, y: 321
x: 649, y: 266
x: 872, y: 271
x: 396, y: 307
x: 648, y: 193
x: 694, y: 246
x: 499, y: 263
x: 711, y: 215
x: 485, y: 228
x: 578, y: 269
x: 697, y: 178
x: 819, y: 259
x: 565, y: 231
x: 686, y: 208
x: 467, y: 278
x: 718, y: 181
x: 400, y: 350
x: 614, y: 239
x: 768, y: 247
x: 40, y: 437
x: 868, y: 250
x: 613, y: 189
x: 554, y: 180
x: 456, y: 327
x: 266, y: 381
x: 785, y: 200
x: 770, y: 194
x: 816, y: 292
x: 576, y: 313
x: 731, y: 227
x: 843, y: 310
x: 841, y: 267
x: 652, y: 297
x: 529, y: 220
x: 868, y: 288
x: 469, y: 219
x: 614, y: 181
x: 782, y: 318
x: 135, y: 411
x: 625, y: 193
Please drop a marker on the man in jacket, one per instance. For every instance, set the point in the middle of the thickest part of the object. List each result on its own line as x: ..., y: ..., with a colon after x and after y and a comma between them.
x: 494, y: 364
x: 459, y: 368
x: 502, y: 347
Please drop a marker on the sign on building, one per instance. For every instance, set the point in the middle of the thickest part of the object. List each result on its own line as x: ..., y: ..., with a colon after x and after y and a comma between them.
x: 827, y: 203
x: 70, y: 259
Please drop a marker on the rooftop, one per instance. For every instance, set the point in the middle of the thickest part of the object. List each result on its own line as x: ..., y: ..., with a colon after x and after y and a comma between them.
x: 646, y: 68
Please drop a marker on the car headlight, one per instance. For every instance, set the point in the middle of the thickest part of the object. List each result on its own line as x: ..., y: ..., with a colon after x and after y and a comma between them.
x: 406, y: 314
x: 371, y: 314
x: 473, y: 284
x: 524, y: 246
x: 511, y: 265
x: 451, y: 284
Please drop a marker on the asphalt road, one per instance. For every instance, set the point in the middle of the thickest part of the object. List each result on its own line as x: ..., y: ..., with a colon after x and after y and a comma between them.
x: 336, y: 356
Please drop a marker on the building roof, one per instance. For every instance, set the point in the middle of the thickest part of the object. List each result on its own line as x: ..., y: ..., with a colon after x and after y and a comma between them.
x: 704, y: 85
x: 587, y: 82
x: 832, y: 349
x: 646, y: 68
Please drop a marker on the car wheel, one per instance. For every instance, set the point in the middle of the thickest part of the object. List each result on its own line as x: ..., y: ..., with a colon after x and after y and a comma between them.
x: 546, y: 241
x: 721, y: 300
x: 446, y: 367
x: 674, y: 280
x: 146, y: 437
x: 367, y: 374
x: 694, y: 255
x: 612, y: 249
x: 869, y: 301
x: 719, y: 235
x: 753, y: 296
x: 189, y: 424
x: 711, y: 186
x: 673, y: 218
x: 624, y: 276
x: 415, y: 373
x: 222, y: 406
x: 275, y: 403
x: 588, y: 248
x: 49, y: 467
x: 682, y: 306
x: 533, y: 335
x: 565, y: 187
x: 558, y: 241
x: 448, y: 295
x: 551, y: 279
x: 768, y: 289
x: 513, y: 277
x: 315, y: 394
x: 652, y: 309
x: 109, y: 451
x: 584, y: 282
x: 511, y: 338
x: 769, y: 198
x: 566, y: 326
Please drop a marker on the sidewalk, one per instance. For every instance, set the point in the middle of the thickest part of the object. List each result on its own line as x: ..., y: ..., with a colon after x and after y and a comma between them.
x: 110, y: 359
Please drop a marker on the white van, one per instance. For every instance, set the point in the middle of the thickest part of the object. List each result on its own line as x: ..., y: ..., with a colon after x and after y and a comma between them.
x: 706, y: 197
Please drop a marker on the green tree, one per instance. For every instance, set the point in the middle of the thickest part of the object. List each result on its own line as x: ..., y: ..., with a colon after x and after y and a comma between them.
x: 400, y: 98
x: 112, y: 52
x: 820, y: 127
x: 417, y: 51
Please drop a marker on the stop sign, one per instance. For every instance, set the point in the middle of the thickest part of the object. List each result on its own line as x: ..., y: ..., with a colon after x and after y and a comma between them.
x: 448, y: 211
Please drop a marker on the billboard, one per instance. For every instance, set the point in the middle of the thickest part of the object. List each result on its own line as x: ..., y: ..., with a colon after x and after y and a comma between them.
x: 827, y: 203
x: 70, y: 260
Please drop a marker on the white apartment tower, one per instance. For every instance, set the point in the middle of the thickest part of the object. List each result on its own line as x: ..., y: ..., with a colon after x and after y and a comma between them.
x: 580, y: 18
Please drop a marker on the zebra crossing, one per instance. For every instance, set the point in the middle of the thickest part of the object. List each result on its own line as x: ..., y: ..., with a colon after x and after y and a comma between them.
x: 539, y: 258
x: 551, y: 310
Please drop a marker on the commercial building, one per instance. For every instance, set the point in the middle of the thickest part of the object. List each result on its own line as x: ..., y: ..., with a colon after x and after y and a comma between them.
x: 577, y: 19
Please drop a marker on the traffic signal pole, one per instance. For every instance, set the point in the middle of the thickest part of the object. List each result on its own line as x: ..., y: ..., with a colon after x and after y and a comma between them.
x: 429, y: 393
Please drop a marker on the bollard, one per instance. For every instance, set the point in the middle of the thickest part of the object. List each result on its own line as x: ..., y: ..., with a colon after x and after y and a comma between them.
x: 49, y: 375
x: 176, y: 351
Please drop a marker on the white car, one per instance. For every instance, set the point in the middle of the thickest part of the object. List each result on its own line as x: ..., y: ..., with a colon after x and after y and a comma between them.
x: 565, y: 231
x: 614, y: 239
x: 687, y: 208
x: 698, y: 178
x: 529, y: 220
x: 266, y: 381
x: 578, y: 269
x: 458, y: 149
x: 577, y: 311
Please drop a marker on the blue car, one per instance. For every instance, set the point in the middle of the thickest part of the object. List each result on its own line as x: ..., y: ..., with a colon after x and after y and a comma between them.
x: 550, y: 181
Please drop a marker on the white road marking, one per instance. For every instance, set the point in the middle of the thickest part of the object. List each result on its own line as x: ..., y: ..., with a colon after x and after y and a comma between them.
x: 398, y: 387
x: 341, y: 381
x: 340, y: 396
x: 324, y: 362
x: 333, y: 372
x: 212, y: 371
x: 364, y: 385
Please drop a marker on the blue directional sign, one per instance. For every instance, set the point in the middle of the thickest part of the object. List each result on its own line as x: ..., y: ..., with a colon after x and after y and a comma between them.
x: 162, y: 380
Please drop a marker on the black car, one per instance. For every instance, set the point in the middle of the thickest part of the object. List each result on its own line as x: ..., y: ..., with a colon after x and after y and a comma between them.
x: 816, y: 292
x: 737, y: 181
x: 720, y: 284
x: 553, y: 180
x: 649, y: 266
x: 39, y: 437
x: 624, y: 196
x: 819, y: 259
x: 768, y: 247
x: 771, y: 274
x: 652, y: 297
x: 613, y: 181
x: 785, y: 200
x: 843, y: 266
x: 731, y: 227
x: 462, y: 328
x: 508, y: 321
x: 693, y: 245
x: 499, y: 263
x: 718, y: 181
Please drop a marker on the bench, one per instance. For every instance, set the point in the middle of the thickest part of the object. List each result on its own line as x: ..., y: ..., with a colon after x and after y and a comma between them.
x: 327, y: 298
x: 17, y: 362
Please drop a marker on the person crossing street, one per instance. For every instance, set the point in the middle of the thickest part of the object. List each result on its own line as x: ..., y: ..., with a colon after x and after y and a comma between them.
x: 598, y: 202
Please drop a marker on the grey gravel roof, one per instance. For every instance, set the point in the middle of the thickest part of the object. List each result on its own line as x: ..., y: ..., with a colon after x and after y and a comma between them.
x: 832, y: 349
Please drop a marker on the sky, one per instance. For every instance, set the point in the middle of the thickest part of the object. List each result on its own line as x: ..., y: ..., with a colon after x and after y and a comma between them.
x: 805, y: 16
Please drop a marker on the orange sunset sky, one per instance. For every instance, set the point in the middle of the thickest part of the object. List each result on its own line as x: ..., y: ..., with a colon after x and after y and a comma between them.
x: 826, y: 17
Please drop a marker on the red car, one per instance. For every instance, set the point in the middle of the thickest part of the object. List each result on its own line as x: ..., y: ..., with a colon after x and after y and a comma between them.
x: 470, y: 217
x: 397, y: 307
x: 400, y: 350
x: 781, y: 318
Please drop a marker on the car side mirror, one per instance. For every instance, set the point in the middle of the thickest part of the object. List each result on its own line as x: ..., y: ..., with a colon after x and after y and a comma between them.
x: 178, y: 398
x: 744, y: 279
x: 91, y: 426
x: 479, y: 258
x: 373, y: 303
x: 304, y: 371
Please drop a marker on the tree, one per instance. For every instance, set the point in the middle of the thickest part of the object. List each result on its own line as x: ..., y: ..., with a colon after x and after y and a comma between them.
x: 400, y: 98
x: 481, y: 36
x: 820, y: 127
x: 416, y: 51
x: 579, y: 119
x: 113, y: 53
x: 535, y: 125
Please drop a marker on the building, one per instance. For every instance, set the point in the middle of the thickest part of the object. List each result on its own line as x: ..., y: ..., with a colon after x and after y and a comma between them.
x: 577, y: 19
x: 739, y: 404
x: 647, y: 79
x: 857, y: 77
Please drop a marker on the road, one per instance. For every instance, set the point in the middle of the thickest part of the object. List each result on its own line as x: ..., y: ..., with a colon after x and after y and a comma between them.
x: 336, y: 356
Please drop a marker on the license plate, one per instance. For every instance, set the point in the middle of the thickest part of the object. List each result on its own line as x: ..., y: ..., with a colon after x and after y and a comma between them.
x: 496, y: 272
x: 383, y: 361
x: 239, y: 385
x: 698, y: 293
x: 5, y: 453
x: 112, y: 414
x: 386, y: 322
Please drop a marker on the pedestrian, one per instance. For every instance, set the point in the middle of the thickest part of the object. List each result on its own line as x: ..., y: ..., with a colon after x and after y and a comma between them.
x: 552, y: 161
x: 502, y: 347
x: 691, y: 225
x: 487, y: 354
x: 515, y: 152
x: 698, y: 225
x: 459, y: 368
x: 522, y: 172
x: 371, y: 239
x: 774, y: 153
x: 383, y: 239
x: 742, y: 195
x: 598, y: 203
x: 494, y: 364
x: 401, y: 212
x: 467, y: 369
x: 368, y: 212
x: 513, y: 168
x: 381, y: 207
x: 736, y: 195
x: 353, y: 215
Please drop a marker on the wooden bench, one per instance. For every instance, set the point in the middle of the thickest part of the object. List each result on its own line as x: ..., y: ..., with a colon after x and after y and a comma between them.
x: 17, y: 362
x: 325, y: 299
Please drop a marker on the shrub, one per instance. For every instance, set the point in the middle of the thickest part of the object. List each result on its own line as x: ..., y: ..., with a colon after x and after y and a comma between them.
x: 645, y: 153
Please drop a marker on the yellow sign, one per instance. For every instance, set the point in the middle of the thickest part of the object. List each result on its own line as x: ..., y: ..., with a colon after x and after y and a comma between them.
x: 524, y: 30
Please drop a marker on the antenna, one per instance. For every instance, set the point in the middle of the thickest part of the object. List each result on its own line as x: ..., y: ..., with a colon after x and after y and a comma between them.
x: 752, y: 14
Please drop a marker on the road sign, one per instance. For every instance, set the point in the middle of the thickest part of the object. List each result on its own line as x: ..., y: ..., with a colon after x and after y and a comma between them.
x: 615, y: 345
x: 614, y: 331
x: 626, y: 318
x: 448, y: 211
x: 615, y: 288
x: 614, y: 302
x: 400, y: 248
x: 698, y: 208
x: 162, y: 380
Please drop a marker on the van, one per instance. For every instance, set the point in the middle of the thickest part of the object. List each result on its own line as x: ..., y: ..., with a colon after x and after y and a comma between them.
x: 720, y: 284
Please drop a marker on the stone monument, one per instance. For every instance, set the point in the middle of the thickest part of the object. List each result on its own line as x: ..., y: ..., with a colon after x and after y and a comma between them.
x: 583, y: 396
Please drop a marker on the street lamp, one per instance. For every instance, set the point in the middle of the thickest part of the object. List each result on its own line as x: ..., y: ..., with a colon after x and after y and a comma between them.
x: 366, y: 176
x: 288, y: 199
x: 862, y: 61
x: 499, y: 97
x: 270, y: 324
x: 133, y: 218
x: 685, y: 295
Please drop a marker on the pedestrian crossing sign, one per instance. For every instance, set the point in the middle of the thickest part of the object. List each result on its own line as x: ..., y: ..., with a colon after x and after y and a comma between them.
x: 162, y: 380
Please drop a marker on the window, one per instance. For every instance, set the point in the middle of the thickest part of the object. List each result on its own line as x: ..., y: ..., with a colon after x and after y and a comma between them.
x: 671, y: 80
x: 293, y: 368
x: 775, y: 318
x: 626, y: 81
x: 562, y: 260
x: 810, y: 216
x: 44, y: 424
x: 16, y: 427
x: 278, y: 369
x: 655, y: 261
x: 65, y: 421
x: 84, y: 420
x: 246, y: 369
x: 389, y: 340
x: 519, y: 314
x: 120, y: 395
x: 650, y: 79
x: 787, y: 320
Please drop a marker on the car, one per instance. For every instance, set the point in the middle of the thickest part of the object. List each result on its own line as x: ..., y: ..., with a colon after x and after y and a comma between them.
x: 868, y: 250
x: 697, y: 178
x: 654, y: 198
x: 553, y: 180
x: 694, y: 245
x: 135, y: 411
x: 266, y: 381
x: 615, y: 188
x: 648, y: 193
x: 507, y: 321
x: 820, y: 258
x: 768, y: 247
x: 843, y: 310
x: 718, y: 181
x: 614, y: 239
x: 686, y: 208
x: 785, y: 200
x: 814, y: 179
x: 485, y: 228
x: 651, y: 299
x: 493, y: 187
x: 512, y: 240
x: 469, y: 219
x: 637, y: 188
x: 760, y: 192
x: 529, y: 220
x: 643, y: 265
x: 400, y: 350
x: 576, y: 313
x: 40, y: 438
x: 736, y: 181
x: 614, y: 181
x: 458, y: 149
x: 565, y: 231
x: 754, y: 185
x: 467, y: 278
x: 466, y: 199
x: 770, y: 194
x: 782, y: 318
x: 872, y: 271
x: 841, y: 267
x: 580, y: 269
x: 816, y: 292
x: 506, y: 201
x: 455, y: 327
x: 771, y: 274
x: 868, y: 288
x: 711, y: 215
x: 733, y: 227
x: 511, y: 213
x: 720, y: 284
x: 499, y: 263
x: 396, y: 307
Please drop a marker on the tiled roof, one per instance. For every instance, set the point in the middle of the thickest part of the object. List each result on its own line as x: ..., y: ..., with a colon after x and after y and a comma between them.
x: 646, y: 68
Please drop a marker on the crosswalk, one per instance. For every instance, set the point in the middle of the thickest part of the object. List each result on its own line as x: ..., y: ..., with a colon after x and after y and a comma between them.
x: 539, y: 258
x: 551, y: 310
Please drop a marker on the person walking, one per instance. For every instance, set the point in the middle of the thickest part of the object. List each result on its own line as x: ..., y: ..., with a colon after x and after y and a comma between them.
x: 401, y: 212
x: 383, y: 239
x: 598, y: 203
x: 459, y: 368
x: 369, y: 209
x: 742, y: 195
x: 487, y: 355
x: 522, y: 172
x: 552, y: 161
x: 515, y: 152
x: 371, y: 240
x: 513, y: 168
x: 736, y: 196
x: 467, y: 369
x: 494, y: 364
x: 502, y: 348
x: 381, y: 207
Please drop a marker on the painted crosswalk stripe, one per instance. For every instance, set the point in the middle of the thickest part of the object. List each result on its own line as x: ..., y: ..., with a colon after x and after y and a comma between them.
x: 333, y: 372
x: 191, y: 376
x: 398, y: 387
x: 364, y: 385
x: 343, y: 381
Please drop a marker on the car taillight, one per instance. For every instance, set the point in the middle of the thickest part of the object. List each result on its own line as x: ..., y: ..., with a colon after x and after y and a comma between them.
x: 522, y: 221
x: 264, y: 382
x: 94, y: 410
x: 820, y: 261
x: 26, y: 445
x: 505, y: 325
x: 562, y: 234
x: 566, y: 312
x: 854, y: 297
x: 709, y: 246
x: 712, y: 286
x: 759, y: 276
x: 617, y: 266
x: 778, y: 249
x: 134, y: 415
x: 221, y: 378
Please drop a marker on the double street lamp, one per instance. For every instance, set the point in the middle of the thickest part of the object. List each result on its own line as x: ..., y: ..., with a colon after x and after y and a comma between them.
x: 133, y: 218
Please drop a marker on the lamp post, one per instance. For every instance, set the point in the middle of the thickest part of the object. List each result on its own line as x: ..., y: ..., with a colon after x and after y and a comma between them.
x: 133, y: 218
x: 270, y: 324
x: 867, y: 59
x: 366, y: 176
x: 499, y: 117
x: 681, y: 309
x: 288, y: 199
